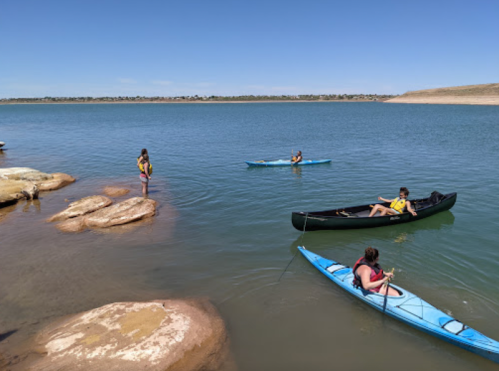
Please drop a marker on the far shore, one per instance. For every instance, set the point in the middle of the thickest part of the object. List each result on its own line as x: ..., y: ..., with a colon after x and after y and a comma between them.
x: 199, y: 101
x: 472, y: 100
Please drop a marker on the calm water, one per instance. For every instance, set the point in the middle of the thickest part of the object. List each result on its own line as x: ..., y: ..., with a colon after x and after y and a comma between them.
x: 224, y: 231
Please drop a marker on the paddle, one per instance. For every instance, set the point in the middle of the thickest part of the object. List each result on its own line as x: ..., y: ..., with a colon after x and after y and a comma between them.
x: 387, y: 285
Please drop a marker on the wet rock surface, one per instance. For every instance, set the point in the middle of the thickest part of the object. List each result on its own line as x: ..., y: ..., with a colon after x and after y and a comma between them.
x: 81, y: 207
x: 131, y: 210
x: 169, y: 335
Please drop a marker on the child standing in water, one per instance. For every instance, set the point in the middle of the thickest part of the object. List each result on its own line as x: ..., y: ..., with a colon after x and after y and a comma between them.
x: 144, y: 172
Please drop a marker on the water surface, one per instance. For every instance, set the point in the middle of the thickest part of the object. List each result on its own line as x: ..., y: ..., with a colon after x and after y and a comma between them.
x: 224, y: 231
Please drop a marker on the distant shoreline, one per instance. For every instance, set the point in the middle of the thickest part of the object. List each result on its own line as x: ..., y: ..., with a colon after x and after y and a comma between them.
x: 200, y: 101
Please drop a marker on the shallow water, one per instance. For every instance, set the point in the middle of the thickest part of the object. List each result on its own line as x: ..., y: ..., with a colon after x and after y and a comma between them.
x: 224, y: 231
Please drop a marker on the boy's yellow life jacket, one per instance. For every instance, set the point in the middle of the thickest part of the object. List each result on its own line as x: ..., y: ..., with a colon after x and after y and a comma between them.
x: 398, y: 204
x: 141, y: 167
x: 293, y: 158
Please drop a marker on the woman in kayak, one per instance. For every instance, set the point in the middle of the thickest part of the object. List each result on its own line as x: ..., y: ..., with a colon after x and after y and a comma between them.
x: 369, y: 275
x: 397, y: 205
x: 297, y: 159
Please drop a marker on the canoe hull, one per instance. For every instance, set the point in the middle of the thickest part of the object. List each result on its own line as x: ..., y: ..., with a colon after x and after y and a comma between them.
x: 329, y: 220
x: 276, y: 163
x: 409, y: 309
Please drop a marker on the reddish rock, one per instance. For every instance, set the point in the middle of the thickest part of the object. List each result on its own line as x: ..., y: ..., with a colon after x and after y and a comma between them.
x: 164, y: 335
x: 81, y: 207
x: 115, y: 191
x: 127, y: 211
x: 131, y: 210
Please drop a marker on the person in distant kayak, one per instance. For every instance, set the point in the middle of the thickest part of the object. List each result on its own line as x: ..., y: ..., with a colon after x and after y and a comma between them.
x: 297, y: 159
x: 397, y: 205
x: 145, y: 177
x: 370, y: 276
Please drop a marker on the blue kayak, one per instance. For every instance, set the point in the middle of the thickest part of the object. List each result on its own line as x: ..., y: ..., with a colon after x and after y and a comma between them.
x: 409, y: 309
x: 286, y: 162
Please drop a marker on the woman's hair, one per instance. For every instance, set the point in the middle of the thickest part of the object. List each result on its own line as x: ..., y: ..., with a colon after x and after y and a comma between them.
x: 143, y: 152
x: 405, y: 191
x: 145, y: 157
x: 371, y: 254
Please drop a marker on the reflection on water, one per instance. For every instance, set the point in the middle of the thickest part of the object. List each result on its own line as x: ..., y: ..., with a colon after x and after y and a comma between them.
x: 398, y: 233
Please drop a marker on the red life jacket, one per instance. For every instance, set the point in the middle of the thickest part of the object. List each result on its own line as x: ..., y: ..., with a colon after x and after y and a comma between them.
x: 376, y: 273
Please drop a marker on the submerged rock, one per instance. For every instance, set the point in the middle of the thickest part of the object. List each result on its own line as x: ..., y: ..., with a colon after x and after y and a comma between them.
x: 115, y: 191
x: 164, y: 335
x: 81, y: 207
x: 133, y: 209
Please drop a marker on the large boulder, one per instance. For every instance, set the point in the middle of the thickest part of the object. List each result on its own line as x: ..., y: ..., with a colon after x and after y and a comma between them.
x: 23, y: 182
x: 13, y: 190
x: 81, y: 207
x: 131, y: 210
x: 164, y: 335
x: 112, y: 191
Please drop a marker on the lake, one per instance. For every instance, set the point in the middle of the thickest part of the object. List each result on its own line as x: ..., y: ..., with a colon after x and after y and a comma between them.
x: 223, y: 230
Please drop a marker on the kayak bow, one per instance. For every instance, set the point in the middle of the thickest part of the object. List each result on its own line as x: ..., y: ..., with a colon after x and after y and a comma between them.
x: 409, y: 309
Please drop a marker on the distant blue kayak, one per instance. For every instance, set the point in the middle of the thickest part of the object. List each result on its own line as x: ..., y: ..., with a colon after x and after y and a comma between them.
x: 410, y: 309
x: 286, y: 162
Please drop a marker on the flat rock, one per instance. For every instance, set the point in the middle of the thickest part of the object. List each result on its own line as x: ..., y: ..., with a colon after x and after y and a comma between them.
x: 164, y: 335
x: 135, y: 208
x: 131, y: 210
x: 81, y: 207
x: 115, y: 191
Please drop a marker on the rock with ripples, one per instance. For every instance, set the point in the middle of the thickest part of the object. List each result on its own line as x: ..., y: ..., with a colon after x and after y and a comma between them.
x: 164, y: 335
x: 82, y: 207
x: 115, y: 191
x: 128, y: 211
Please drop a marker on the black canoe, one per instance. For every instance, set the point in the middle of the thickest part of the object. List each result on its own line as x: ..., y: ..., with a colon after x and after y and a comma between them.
x: 357, y: 216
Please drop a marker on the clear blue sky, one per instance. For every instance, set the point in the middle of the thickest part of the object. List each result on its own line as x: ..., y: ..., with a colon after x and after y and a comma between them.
x: 112, y: 48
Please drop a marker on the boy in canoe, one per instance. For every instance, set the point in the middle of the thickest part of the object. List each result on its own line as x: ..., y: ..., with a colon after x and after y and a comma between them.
x: 397, y: 205
x: 297, y: 159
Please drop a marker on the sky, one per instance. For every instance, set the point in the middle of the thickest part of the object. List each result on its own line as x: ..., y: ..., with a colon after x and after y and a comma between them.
x: 173, y: 48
